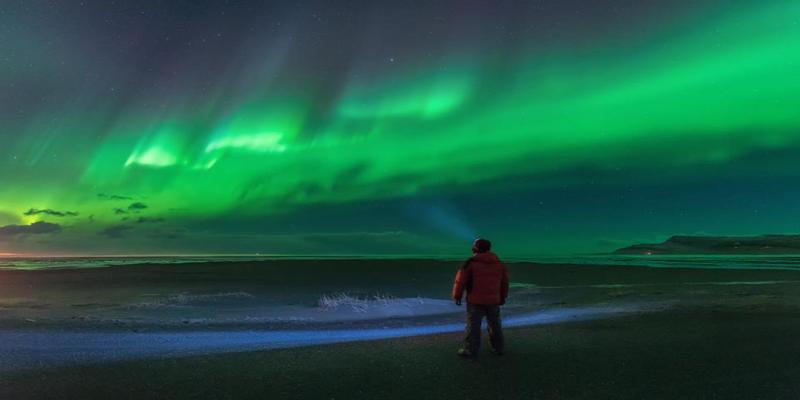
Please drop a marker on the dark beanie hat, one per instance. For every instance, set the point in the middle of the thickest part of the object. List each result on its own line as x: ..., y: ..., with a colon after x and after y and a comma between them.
x: 482, y: 245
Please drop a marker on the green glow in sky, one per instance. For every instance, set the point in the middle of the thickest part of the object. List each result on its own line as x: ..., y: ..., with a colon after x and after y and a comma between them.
x: 255, y: 147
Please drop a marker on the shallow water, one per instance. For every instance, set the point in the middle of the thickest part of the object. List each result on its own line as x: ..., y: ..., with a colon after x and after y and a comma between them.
x: 239, y: 294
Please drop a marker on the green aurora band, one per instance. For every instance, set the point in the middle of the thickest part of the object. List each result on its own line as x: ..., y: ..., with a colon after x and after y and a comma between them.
x: 681, y: 99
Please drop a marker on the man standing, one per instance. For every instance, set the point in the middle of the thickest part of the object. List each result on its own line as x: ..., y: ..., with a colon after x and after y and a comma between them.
x: 485, y: 280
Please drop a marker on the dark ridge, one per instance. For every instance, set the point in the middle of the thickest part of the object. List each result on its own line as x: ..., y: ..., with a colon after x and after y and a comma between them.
x: 764, y: 244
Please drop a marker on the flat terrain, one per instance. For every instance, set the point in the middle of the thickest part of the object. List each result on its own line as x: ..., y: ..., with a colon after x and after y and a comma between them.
x: 231, y: 294
x: 687, y: 354
x: 697, y: 334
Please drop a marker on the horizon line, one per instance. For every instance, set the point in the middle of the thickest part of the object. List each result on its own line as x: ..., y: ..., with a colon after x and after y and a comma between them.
x: 282, y: 255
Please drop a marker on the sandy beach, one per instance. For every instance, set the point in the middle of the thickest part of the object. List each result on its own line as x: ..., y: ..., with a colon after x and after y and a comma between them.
x: 385, y: 328
x: 697, y: 353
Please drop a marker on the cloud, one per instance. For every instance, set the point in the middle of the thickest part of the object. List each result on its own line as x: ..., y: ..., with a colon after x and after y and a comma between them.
x: 144, y: 220
x: 166, y: 235
x: 35, y: 228
x: 351, y: 242
x: 115, y: 231
x: 55, y: 213
x: 113, y: 197
x: 137, y: 206
x: 7, y: 218
x: 119, y: 211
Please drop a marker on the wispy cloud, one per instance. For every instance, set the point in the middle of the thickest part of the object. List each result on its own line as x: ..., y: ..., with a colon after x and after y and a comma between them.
x: 115, y: 231
x: 35, y: 228
x: 113, y: 197
x: 166, y: 234
x: 137, y: 206
x: 145, y: 220
x: 55, y: 213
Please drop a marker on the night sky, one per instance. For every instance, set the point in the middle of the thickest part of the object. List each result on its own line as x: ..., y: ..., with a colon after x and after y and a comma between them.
x: 391, y: 127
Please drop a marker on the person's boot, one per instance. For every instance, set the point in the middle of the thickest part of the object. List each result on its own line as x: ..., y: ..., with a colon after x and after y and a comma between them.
x: 466, y: 353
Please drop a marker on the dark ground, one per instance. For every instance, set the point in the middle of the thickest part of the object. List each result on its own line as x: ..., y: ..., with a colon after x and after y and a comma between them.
x: 727, y: 336
x: 109, y: 298
x: 701, y: 353
x: 302, y: 281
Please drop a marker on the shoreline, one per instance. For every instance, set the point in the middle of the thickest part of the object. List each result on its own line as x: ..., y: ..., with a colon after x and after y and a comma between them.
x: 283, y: 294
x: 25, y: 349
x: 91, y: 339
x: 657, y: 261
x: 677, y: 353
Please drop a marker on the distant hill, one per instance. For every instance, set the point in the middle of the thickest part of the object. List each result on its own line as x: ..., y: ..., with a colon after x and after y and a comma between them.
x: 766, y: 244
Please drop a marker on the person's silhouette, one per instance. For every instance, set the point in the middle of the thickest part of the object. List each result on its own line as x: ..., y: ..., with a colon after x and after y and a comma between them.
x: 485, y: 279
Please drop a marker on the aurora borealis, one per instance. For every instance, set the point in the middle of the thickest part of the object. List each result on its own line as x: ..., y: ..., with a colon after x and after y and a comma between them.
x: 363, y: 127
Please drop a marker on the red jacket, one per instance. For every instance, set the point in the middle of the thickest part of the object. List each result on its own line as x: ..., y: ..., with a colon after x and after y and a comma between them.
x: 484, y: 278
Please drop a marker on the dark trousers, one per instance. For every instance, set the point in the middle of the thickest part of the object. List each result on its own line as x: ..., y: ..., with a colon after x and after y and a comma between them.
x: 475, y: 314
